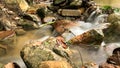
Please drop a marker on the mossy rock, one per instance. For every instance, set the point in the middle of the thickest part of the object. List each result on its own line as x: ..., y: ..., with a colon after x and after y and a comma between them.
x: 34, y: 55
x: 112, y: 33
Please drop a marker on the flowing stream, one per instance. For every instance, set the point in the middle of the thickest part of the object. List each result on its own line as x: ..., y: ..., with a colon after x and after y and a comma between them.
x: 89, y: 54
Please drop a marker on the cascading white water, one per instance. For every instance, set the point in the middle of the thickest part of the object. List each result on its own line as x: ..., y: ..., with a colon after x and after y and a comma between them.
x: 101, y: 19
x: 94, y: 14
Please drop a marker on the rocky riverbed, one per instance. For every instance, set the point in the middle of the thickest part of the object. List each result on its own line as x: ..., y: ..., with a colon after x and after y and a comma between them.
x: 58, y: 34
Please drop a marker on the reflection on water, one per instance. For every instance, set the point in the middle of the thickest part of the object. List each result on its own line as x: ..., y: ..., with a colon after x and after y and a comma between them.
x: 13, y: 54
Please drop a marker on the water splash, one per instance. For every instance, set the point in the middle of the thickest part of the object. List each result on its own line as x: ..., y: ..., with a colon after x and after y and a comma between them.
x: 101, y: 19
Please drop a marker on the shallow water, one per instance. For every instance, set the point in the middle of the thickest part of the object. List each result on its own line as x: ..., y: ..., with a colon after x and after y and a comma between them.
x: 89, y: 54
x: 13, y: 53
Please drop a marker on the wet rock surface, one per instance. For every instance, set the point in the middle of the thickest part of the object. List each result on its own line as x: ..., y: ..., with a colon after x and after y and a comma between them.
x: 33, y: 54
x: 90, y: 37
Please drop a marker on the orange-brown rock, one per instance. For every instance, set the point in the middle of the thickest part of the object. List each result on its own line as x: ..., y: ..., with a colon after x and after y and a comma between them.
x: 89, y: 37
x: 60, y: 41
x: 55, y: 64
x: 62, y: 25
x: 4, y: 34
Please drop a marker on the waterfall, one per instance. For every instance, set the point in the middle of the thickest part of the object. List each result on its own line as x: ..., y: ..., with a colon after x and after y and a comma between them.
x: 93, y: 15
x: 101, y: 19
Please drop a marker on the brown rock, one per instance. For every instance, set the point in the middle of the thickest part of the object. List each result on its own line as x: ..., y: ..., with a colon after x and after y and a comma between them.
x: 62, y: 25
x: 55, y: 64
x: 106, y: 65
x: 89, y: 37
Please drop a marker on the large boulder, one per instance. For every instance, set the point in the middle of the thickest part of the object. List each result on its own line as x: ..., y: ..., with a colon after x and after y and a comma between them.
x: 33, y: 53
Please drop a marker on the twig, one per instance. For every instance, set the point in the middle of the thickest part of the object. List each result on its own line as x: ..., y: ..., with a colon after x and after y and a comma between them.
x: 78, y: 49
x: 46, y: 24
x: 81, y: 57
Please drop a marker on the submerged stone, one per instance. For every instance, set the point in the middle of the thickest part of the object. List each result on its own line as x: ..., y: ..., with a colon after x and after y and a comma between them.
x: 20, y: 32
x: 2, y: 50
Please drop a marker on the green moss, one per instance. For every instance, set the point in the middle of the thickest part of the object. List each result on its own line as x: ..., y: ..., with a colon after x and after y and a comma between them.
x: 106, y: 7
